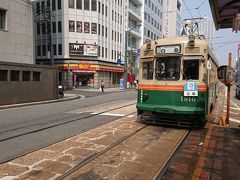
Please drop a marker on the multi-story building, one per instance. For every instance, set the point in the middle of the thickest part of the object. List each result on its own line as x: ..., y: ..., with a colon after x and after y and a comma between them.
x: 16, y: 31
x: 171, y: 18
x: 144, y: 23
x: 88, y: 40
x: 152, y: 19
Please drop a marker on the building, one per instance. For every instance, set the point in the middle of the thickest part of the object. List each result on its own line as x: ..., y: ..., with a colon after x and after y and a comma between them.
x: 144, y: 23
x: 171, y: 18
x: 88, y: 40
x: 152, y: 21
x: 16, y: 31
x: 21, y: 80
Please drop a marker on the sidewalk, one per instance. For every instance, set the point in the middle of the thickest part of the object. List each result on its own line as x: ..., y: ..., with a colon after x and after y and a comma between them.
x: 209, y: 153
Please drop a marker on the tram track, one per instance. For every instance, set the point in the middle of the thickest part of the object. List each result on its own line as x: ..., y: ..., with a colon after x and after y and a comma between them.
x: 56, y: 125
x: 92, y: 157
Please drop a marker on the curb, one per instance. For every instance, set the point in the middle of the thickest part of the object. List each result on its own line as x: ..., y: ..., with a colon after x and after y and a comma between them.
x: 40, y: 102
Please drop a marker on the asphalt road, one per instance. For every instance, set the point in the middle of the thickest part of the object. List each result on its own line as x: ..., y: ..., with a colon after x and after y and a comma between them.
x: 17, y: 121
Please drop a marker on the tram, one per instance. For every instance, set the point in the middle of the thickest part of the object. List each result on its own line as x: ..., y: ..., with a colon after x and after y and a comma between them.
x: 178, y: 82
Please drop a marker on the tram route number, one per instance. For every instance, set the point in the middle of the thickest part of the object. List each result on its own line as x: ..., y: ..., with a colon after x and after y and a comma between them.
x: 188, y: 99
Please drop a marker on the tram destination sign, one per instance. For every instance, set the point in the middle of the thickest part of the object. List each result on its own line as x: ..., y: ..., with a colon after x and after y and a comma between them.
x: 169, y: 49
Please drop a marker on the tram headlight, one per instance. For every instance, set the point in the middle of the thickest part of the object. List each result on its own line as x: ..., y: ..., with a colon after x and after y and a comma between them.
x: 191, y: 40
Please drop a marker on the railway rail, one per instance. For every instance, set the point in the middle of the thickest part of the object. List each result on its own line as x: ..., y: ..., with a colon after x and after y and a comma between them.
x: 74, y: 115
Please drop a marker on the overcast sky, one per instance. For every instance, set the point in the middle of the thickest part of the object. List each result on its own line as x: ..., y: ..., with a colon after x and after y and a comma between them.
x: 225, y: 40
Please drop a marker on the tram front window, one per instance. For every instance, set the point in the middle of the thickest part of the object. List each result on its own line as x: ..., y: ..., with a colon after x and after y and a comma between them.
x: 167, y: 68
x: 147, y: 70
x: 191, y: 69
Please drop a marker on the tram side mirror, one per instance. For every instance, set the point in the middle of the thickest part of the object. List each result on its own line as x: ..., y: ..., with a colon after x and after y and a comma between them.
x: 226, y: 75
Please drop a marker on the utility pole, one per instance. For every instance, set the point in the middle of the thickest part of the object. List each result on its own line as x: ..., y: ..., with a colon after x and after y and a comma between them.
x: 43, y: 16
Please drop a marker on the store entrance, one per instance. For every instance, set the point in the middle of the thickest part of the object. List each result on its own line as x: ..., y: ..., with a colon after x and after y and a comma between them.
x: 82, y: 80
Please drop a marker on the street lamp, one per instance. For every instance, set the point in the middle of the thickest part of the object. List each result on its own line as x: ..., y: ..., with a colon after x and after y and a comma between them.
x: 126, y: 54
x: 43, y: 15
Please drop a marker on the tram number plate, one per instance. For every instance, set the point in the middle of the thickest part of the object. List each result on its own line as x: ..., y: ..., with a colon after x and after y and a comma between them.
x: 188, y: 99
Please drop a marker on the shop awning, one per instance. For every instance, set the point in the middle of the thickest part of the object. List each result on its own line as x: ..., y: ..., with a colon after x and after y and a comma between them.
x: 226, y: 13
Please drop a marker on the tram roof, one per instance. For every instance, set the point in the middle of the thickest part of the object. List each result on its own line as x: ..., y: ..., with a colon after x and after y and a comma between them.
x: 226, y: 13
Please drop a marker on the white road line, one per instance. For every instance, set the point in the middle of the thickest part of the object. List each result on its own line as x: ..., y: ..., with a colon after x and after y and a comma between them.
x: 112, y: 114
x: 130, y: 116
x: 234, y: 120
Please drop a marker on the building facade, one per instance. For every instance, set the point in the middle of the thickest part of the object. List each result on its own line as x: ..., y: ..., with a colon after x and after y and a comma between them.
x: 88, y: 41
x: 171, y: 18
x: 16, y: 31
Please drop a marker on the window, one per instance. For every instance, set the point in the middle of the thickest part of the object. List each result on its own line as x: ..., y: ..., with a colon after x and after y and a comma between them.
x: 59, y: 49
x: 99, y: 29
x: 59, y: 26
x: 86, y: 4
x: 102, y: 30
x: 147, y: 72
x: 3, y: 75
x: 26, y: 75
x: 168, y: 68
x: 102, y: 9
x: 36, y: 76
x: 105, y: 52
x: 99, y: 51
x: 54, y: 27
x: 71, y: 4
x: 86, y: 27
x: 59, y: 4
x: 102, y: 52
x: 38, y: 28
x: 106, y: 11
x: 112, y: 34
x: 79, y: 4
x: 44, y: 50
x: 38, y: 50
x: 99, y: 7
x: 53, y: 5
x: 106, y: 31
x: 191, y: 69
x: 54, y: 49
x: 94, y: 5
x: 15, y: 75
x: 43, y: 28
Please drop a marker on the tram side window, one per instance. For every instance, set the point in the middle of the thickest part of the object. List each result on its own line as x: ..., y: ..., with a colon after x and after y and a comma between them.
x: 147, y: 70
x: 191, y: 69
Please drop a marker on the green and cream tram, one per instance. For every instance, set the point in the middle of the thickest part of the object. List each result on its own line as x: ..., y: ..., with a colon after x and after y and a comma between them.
x: 177, y: 81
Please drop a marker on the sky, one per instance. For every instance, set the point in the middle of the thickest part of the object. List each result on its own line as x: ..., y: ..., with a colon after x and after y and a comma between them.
x: 225, y: 40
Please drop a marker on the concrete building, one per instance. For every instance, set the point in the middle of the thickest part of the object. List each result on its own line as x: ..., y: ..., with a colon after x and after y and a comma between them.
x: 88, y: 41
x: 171, y: 18
x: 144, y: 23
x: 16, y: 31
x: 21, y: 80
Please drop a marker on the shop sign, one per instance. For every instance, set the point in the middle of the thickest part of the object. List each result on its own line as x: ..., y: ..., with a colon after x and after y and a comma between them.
x: 84, y: 66
x: 90, y: 50
x: 75, y: 49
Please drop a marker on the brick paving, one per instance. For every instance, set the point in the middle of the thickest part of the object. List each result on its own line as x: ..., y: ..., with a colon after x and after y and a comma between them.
x: 210, y: 153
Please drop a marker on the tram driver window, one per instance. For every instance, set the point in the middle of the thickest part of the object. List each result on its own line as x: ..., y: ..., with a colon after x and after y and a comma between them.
x: 167, y: 68
x: 147, y: 70
x: 191, y: 69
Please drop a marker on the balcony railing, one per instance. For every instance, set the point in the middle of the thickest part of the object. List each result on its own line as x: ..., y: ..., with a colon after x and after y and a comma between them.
x: 134, y: 9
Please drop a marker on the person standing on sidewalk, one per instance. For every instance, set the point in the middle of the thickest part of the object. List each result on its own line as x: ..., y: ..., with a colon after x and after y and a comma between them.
x: 102, y: 86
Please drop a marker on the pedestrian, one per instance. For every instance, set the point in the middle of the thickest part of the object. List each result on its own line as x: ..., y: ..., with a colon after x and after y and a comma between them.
x: 102, y: 86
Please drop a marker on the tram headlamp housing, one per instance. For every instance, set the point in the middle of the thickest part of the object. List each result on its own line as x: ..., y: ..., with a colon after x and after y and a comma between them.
x: 191, y: 40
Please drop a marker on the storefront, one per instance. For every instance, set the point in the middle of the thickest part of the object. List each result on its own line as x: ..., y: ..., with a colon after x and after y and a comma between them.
x: 89, y: 75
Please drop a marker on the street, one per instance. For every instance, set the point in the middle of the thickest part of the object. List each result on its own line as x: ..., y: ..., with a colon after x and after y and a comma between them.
x: 33, y: 127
